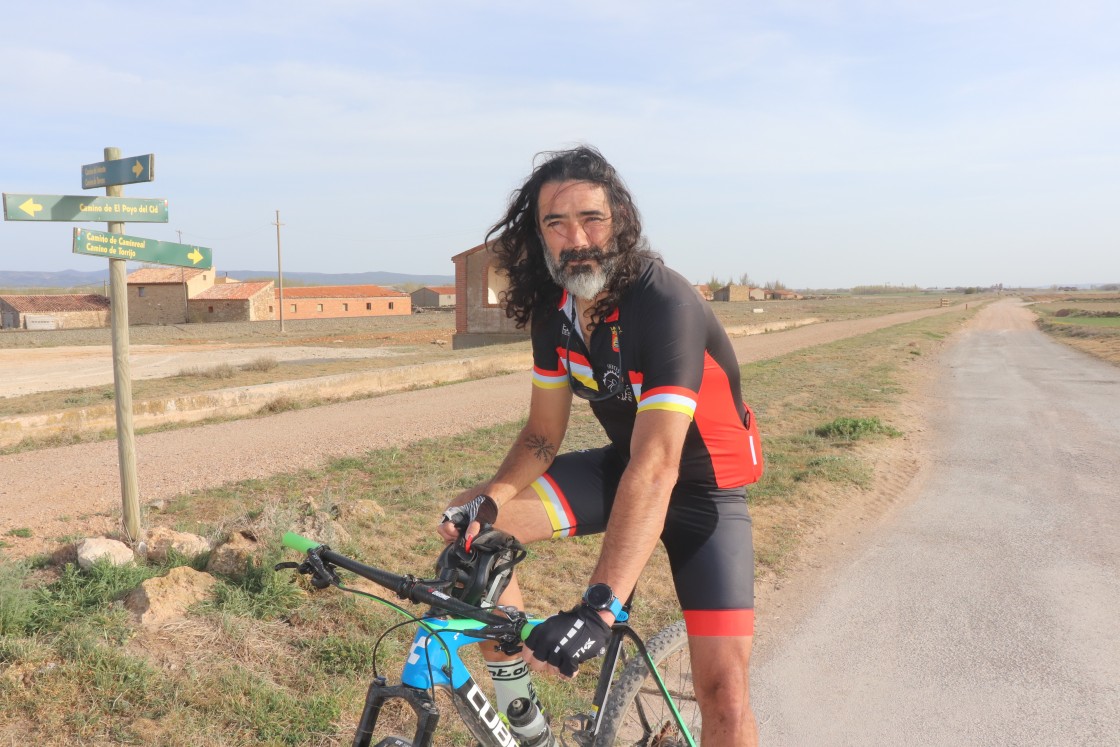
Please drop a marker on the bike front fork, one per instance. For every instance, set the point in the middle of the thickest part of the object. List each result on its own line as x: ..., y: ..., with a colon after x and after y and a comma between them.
x: 427, y: 716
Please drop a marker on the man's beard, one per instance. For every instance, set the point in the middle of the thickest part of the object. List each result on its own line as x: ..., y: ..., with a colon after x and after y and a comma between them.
x: 583, y: 281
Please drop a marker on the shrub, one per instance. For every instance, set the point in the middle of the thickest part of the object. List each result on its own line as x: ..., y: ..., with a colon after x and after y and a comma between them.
x: 220, y: 371
x: 853, y: 429
x: 282, y: 403
x: 264, y: 363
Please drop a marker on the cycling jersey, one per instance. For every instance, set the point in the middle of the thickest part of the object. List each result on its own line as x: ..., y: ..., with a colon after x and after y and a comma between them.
x: 661, y: 349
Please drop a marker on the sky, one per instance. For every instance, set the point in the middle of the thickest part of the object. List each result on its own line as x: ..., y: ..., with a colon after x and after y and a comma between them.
x: 822, y: 144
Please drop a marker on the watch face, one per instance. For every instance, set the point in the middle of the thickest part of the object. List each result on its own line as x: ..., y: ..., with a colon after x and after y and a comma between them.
x: 598, y: 596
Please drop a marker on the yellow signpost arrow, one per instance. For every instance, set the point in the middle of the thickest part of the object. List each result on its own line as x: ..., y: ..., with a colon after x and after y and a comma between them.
x: 195, y: 256
x: 31, y: 207
x: 137, y: 169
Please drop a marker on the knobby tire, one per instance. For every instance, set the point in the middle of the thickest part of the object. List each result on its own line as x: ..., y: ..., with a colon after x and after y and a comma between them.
x: 636, y: 714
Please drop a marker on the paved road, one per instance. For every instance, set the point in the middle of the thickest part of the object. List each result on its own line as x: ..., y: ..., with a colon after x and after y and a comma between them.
x: 985, y: 611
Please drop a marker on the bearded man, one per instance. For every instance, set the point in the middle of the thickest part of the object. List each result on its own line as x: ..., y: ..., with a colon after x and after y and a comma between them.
x: 612, y: 325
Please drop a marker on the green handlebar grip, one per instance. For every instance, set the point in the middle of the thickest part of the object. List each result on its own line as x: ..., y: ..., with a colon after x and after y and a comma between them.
x: 528, y: 628
x: 299, y: 542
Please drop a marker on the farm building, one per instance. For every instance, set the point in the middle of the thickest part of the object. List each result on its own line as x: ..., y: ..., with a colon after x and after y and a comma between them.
x: 63, y: 311
x: 338, y: 301
x: 734, y: 292
x: 433, y: 296
x: 250, y: 301
x: 479, y: 316
x: 160, y: 295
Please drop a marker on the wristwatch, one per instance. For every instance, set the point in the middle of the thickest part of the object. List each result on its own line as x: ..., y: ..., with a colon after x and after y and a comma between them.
x: 600, y: 597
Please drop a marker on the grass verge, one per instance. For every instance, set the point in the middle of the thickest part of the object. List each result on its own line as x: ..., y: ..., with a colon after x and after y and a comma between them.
x: 267, y: 662
x: 1089, y: 323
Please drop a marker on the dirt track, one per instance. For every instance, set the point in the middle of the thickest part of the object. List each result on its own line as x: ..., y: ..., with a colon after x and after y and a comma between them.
x: 60, y: 491
x: 49, y: 369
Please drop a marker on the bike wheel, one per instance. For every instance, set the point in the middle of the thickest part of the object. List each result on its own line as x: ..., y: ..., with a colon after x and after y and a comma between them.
x: 636, y: 713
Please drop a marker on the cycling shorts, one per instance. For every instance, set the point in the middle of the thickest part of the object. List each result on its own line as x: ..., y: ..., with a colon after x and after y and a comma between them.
x: 707, y: 536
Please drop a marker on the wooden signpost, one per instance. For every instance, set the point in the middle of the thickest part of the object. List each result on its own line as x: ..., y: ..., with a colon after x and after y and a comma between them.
x: 116, y: 210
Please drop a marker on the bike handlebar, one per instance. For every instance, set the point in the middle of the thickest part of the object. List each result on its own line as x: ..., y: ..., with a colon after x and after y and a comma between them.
x: 299, y: 542
x: 405, y: 587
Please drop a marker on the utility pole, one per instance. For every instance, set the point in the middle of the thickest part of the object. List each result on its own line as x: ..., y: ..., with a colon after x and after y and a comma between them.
x: 280, y: 270
x: 186, y: 290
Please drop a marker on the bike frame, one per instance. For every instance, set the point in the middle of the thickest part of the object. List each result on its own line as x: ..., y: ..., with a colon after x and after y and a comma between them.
x: 434, y: 661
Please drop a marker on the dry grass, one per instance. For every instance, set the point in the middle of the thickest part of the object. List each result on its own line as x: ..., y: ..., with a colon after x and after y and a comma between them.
x: 1083, y: 321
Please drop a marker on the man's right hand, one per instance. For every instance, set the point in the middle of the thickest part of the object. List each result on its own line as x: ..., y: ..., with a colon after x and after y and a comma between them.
x: 565, y: 640
x: 467, y: 515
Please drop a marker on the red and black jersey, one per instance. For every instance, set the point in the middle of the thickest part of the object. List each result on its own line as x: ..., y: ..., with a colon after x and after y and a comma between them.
x: 669, y: 351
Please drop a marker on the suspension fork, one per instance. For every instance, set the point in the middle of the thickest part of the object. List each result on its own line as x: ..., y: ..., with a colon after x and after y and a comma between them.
x: 427, y: 715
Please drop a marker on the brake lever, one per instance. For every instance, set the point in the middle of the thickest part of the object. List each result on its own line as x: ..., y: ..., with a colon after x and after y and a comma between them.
x: 322, y: 576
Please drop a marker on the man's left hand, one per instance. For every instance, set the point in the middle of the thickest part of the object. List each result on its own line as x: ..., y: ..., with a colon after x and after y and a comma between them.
x: 566, y: 639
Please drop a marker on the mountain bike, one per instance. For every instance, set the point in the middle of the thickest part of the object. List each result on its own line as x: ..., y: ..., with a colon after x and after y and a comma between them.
x: 643, y: 697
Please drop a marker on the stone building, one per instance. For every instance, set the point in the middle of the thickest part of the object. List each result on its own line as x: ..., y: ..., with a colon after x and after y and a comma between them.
x: 734, y: 292
x: 433, y: 296
x: 249, y: 301
x: 62, y: 311
x: 161, y: 295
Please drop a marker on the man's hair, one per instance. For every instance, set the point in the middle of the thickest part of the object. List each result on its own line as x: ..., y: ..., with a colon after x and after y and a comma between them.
x: 520, y: 250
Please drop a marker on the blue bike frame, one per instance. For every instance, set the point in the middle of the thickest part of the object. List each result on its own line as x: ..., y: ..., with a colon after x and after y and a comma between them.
x: 433, y: 658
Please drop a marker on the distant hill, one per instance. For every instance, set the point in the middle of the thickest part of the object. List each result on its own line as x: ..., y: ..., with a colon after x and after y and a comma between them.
x: 72, y: 278
x: 63, y: 279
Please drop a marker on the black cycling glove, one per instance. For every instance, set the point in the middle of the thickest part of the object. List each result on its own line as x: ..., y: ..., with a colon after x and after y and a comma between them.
x: 482, y: 508
x: 568, y: 638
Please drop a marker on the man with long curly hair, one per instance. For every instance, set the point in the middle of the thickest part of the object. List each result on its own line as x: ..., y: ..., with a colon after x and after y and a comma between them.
x: 612, y: 325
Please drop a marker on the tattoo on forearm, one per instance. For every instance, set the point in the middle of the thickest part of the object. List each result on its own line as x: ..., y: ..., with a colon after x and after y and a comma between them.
x: 540, y: 447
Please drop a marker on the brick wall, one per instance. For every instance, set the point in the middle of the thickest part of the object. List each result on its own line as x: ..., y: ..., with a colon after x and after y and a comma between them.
x: 340, y: 308
x: 461, y: 294
x: 479, y: 317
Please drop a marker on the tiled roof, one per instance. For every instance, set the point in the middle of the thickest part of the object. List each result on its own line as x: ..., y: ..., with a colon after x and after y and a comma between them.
x: 443, y: 290
x: 229, y: 291
x: 340, y: 291
x: 57, y: 303
x: 158, y: 275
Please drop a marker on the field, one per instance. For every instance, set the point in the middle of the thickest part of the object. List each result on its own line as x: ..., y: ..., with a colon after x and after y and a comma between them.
x: 1088, y: 322
x: 266, y: 662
